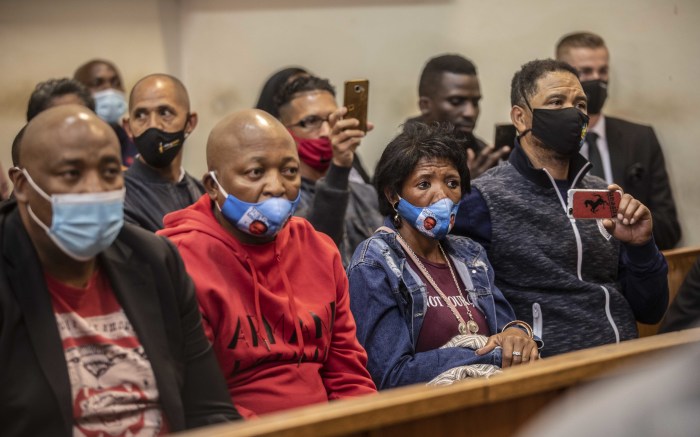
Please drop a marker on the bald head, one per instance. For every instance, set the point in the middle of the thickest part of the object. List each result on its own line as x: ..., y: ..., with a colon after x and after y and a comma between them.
x: 66, y: 149
x: 61, y: 127
x: 244, y: 129
x: 254, y: 158
x: 162, y: 83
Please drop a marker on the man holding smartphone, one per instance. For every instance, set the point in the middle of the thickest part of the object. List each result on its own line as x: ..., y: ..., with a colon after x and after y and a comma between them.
x: 582, y: 283
x: 449, y: 93
x: 345, y: 209
x: 621, y: 152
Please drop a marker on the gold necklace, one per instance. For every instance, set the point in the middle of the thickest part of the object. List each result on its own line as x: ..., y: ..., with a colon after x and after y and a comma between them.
x: 463, y: 327
x: 471, y: 324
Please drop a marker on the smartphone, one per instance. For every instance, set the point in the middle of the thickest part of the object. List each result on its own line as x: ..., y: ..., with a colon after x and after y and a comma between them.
x: 593, y: 204
x: 355, y: 99
x: 505, y: 135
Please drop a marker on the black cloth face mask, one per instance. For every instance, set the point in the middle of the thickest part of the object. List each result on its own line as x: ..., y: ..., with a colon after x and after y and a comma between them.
x: 597, y: 92
x: 158, y: 148
x: 561, y: 130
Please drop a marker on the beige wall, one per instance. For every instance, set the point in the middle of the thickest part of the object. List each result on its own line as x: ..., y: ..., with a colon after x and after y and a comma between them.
x: 224, y: 50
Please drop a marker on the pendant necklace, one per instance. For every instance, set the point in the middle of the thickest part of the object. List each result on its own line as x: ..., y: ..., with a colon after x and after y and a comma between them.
x: 463, y: 327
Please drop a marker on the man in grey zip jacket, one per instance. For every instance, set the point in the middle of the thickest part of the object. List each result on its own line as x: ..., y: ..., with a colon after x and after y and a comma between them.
x: 582, y: 283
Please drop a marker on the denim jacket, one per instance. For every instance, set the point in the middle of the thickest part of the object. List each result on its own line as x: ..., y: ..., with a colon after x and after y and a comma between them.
x: 388, y: 301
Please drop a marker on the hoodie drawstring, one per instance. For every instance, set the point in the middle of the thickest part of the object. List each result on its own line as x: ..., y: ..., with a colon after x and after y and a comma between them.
x: 292, y: 307
x: 256, y: 293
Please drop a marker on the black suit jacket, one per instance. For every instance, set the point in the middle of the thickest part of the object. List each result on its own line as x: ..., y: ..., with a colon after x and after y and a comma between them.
x: 150, y: 282
x: 638, y: 166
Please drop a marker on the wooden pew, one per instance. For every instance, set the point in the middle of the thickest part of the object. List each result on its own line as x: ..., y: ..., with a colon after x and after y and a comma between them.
x: 485, y: 407
x: 679, y: 263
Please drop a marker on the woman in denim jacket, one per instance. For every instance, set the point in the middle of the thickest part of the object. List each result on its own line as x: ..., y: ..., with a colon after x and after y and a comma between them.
x: 407, y: 299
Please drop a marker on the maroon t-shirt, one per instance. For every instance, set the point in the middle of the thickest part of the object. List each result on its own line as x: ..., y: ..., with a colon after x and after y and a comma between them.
x: 439, y: 324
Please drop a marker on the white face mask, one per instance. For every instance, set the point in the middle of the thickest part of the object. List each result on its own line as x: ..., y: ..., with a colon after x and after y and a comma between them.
x: 82, y: 225
x: 110, y: 105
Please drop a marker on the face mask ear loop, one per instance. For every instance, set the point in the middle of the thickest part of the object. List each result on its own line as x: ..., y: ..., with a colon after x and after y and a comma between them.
x: 213, y: 176
x: 522, y: 94
x: 33, y: 184
x: 42, y: 193
x: 41, y: 224
x: 221, y: 189
x: 187, y: 120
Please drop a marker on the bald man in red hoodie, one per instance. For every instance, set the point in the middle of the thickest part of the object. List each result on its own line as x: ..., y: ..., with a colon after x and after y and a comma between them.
x: 272, y: 290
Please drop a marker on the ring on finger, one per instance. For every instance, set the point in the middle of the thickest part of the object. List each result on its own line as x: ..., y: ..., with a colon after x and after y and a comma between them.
x: 517, y: 354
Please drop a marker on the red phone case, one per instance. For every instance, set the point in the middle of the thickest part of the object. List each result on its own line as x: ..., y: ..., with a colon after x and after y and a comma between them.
x: 593, y: 204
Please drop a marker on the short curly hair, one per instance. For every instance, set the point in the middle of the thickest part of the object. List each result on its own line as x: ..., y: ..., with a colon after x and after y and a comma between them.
x: 524, y: 84
x: 52, y: 88
x: 418, y: 141
x: 299, y: 85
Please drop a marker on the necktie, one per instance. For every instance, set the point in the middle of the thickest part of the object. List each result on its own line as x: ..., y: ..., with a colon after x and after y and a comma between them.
x: 594, y: 155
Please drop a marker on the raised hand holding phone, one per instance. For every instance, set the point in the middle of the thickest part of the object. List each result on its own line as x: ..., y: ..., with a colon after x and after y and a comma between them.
x: 346, y: 129
x: 593, y: 204
x: 356, y: 99
x: 629, y: 222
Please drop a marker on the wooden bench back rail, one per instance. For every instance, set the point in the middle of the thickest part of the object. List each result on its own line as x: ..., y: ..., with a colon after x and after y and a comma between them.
x: 679, y: 263
x: 485, y: 407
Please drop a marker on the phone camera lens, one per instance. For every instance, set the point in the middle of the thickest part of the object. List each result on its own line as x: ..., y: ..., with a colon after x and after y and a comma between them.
x: 358, y: 88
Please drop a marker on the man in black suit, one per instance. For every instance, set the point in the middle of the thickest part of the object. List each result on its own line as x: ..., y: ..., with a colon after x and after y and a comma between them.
x: 624, y: 153
x: 100, y: 333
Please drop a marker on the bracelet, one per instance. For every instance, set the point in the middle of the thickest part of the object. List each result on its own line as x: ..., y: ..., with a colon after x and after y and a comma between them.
x: 520, y: 324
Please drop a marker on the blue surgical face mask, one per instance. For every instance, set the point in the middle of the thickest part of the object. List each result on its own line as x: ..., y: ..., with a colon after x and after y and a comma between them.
x: 262, y: 219
x: 110, y: 105
x: 82, y: 225
x: 433, y: 221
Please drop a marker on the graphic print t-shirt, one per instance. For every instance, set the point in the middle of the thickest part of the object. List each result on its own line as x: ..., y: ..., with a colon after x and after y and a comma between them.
x: 439, y: 324
x: 113, y: 388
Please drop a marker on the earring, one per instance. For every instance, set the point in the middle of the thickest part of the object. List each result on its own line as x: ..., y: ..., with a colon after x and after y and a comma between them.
x: 397, y: 218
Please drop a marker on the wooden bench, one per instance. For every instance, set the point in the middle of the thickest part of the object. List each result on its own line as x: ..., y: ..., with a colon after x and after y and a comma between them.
x: 485, y: 407
x: 679, y: 263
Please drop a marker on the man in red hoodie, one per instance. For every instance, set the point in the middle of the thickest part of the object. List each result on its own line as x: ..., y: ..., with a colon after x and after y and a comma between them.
x: 272, y: 290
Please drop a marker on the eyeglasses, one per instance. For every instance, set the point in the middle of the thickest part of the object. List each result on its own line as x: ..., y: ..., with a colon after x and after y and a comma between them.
x: 312, y: 122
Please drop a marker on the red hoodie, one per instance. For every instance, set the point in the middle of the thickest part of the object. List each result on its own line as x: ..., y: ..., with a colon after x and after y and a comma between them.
x: 249, y: 296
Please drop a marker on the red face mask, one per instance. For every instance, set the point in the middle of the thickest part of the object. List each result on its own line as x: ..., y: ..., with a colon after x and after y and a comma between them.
x: 315, y: 152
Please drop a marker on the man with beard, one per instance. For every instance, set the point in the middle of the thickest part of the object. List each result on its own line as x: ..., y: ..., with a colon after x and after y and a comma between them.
x: 621, y: 152
x: 582, y: 283
x: 159, y: 122
x: 449, y: 93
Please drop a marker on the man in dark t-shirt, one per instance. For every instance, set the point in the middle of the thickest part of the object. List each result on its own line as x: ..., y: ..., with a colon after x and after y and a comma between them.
x: 159, y: 122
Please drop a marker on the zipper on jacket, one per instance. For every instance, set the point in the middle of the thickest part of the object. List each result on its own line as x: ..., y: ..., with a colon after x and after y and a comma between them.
x: 579, y: 244
x: 579, y: 247
x: 609, y: 314
x: 537, y: 320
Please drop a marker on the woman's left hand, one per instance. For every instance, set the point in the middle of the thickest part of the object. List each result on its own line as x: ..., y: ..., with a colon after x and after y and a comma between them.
x: 518, y: 347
